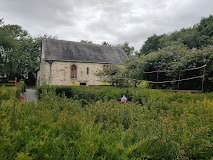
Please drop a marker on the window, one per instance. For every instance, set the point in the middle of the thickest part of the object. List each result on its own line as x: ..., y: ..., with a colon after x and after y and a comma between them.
x: 87, y: 70
x: 73, y: 70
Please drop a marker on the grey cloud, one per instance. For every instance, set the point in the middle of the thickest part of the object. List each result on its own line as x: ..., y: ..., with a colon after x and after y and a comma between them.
x: 116, y: 21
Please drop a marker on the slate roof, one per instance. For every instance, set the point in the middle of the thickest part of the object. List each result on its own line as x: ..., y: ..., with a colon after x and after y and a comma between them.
x: 60, y: 50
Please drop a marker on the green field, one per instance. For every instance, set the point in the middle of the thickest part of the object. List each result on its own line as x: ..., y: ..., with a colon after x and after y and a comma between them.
x: 94, y: 124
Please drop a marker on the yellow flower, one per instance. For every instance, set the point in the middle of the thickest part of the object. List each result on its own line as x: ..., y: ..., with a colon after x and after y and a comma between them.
x: 74, y: 84
x: 104, y: 84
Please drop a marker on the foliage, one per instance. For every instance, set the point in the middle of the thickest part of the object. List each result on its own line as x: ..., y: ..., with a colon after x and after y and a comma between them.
x: 144, y: 85
x: 12, y: 92
x: 92, y: 94
x: 151, y: 44
x: 166, y: 126
x: 86, y: 41
x: 205, y: 30
x: 127, y: 49
x: 194, y: 37
x: 114, y: 75
x: 19, y: 53
x: 106, y: 43
x: 175, y: 58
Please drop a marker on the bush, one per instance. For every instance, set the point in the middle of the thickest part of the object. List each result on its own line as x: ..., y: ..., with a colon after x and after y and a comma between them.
x: 166, y: 126
x: 7, y: 93
x: 174, y: 58
x: 7, y: 84
x: 95, y: 93
x: 144, y: 85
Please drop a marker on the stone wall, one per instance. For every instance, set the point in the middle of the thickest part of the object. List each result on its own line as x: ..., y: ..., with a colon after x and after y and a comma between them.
x: 61, y: 73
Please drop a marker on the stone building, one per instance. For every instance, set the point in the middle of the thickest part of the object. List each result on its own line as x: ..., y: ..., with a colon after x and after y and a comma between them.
x: 66, y: 62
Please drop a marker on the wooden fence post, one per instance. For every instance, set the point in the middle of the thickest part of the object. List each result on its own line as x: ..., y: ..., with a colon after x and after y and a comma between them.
x: 157, y: 79
x: 204, y: 70
x: 179, y: 81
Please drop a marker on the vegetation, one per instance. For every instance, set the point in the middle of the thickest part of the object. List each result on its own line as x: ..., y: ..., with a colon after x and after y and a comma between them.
x: 174, y: 58
x: 164, y: 126
x: 11, y: 92
x: 89, y: 94
x: 194, y: 37
x: 19, y: 53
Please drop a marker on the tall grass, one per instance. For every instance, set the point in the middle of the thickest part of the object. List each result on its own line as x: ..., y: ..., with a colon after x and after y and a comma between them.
x: 163, y: 126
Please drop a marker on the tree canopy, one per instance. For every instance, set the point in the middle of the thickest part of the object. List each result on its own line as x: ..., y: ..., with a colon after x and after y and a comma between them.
x: 20, y: 53
x: 194, y: 37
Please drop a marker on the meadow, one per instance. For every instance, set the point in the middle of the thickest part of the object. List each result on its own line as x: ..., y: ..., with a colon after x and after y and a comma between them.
x: 92, y: 123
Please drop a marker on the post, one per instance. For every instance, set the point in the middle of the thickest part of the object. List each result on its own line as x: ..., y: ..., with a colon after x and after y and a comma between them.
x: 21, y: 97
x: 204, y: 70
x: 50, y: 63
x: 50, y: 73
x: 179, y: 81
x: 157, y: 79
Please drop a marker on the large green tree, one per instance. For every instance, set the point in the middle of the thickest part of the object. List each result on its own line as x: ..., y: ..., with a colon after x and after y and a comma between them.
x: 151, y: 44
x: 20, y: 53
x: 193, y: 37
x: 205, y: 30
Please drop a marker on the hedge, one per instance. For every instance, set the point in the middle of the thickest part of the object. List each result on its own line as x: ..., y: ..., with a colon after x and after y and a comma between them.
x: 7, y: 93
x: 141, y: 96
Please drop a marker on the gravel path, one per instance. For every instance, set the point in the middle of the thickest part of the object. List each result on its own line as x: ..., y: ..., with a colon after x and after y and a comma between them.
x: 30, y: 94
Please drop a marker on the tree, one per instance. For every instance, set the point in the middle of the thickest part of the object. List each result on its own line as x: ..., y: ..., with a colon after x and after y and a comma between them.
x: 106, y: 43
x: 151, y: 44
x: 197, y: 36
x: 86, y: 41
x: 9, y: 47
x: 20, y: 53
x: 205, y: 30
x: 127, y: 49
x: 113, y: 74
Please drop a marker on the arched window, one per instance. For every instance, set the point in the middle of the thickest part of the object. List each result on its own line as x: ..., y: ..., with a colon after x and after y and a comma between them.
x: 73, y: 70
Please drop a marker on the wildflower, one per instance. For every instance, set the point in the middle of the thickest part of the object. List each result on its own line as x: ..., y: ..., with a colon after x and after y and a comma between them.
x: 104, y: 84
x: 210, y: 46
x: 123, y: 99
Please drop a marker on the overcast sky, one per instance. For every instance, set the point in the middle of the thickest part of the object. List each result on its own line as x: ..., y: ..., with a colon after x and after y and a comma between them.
x: 115, y: 21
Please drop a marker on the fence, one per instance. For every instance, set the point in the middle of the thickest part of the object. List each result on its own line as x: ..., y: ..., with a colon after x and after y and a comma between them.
x: 179, y: 77
x: 177, y: 80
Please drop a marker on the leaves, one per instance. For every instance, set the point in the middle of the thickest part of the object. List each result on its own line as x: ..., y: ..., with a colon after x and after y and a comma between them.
x: 166, y: 126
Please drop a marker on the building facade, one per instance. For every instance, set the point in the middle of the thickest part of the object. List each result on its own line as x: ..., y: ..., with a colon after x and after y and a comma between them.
x: 66, y: 62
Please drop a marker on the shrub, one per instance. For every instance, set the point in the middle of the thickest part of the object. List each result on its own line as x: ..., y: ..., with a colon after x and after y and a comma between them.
x: 7, y: 93
x: 144, y: 85
x: 95, y: 93
x: 166, y: 126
